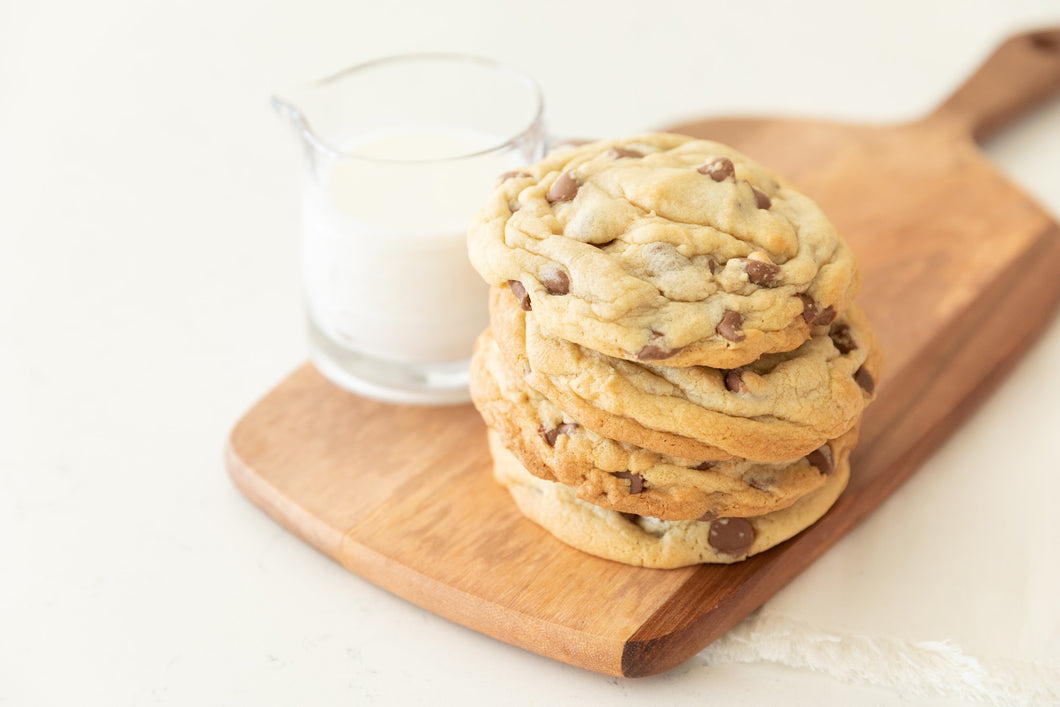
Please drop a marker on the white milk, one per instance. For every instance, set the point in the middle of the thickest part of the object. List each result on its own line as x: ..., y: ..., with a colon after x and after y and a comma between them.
x: 385, y: 261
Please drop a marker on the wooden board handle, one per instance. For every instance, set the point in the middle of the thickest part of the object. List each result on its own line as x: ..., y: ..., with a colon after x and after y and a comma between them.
x: 1021, y: 73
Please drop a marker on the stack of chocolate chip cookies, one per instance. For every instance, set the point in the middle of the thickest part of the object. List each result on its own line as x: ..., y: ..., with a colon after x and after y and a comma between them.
x: 675, y: 370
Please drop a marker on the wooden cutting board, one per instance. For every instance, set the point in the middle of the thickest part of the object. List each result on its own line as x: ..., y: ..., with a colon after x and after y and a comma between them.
x: 961, y: 271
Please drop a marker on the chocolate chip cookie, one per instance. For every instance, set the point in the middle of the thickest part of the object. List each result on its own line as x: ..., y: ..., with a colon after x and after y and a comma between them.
x: 778, y: 408
x: 664, y: 249
x: 650, y: 542
x: 623, y: 477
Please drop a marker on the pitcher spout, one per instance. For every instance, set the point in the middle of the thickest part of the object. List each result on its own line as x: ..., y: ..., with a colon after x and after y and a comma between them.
x: 296, y: 118
x: 287, y: 110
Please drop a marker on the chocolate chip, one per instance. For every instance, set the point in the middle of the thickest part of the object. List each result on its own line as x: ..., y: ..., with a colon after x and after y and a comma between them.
x: 717, y: 168
x: 617, y: 153
x: 734, y: 382
x: 822, y: 459
x: 809, y: 308
x: 825, y: 316
x: 761, y: 200
x: 564, y: 188
x: 759, y: 483
x: 551, y: 435
x: 556, y: 280
x: 813, y: 315
x: 713, y: 265
x: 511, y: 175
x: 731, y: 536
x: 651, y: 352
x: 636, y: 481
x: 842, y: 338
x: 567, y: 427
x: 730, y: 326
x: 520, y: 294
x: 760, y: 272
x: 654, y: 352
x: 703, y: 466
x: 864, y: 379
x: 707, y: 517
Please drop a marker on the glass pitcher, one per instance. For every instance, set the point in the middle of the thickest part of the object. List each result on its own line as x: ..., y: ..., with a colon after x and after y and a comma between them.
x: 399, y: 154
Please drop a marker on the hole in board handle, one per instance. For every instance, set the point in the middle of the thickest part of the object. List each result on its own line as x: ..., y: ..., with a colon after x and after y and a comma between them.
x: 1045, y: 42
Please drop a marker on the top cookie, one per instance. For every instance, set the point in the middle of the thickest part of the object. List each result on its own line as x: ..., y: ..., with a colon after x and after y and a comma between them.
x: 664, y: 249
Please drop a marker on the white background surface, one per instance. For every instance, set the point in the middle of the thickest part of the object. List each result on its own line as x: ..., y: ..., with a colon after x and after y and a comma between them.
x: 149, y: 295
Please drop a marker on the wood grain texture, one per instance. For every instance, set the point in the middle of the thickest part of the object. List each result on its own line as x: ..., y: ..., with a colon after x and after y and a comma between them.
x: 959, y: 276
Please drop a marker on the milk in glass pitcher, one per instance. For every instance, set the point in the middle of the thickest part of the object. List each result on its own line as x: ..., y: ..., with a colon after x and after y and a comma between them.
x: 399, y: 154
